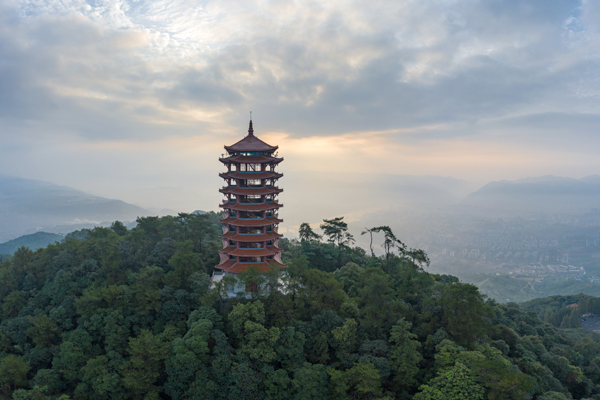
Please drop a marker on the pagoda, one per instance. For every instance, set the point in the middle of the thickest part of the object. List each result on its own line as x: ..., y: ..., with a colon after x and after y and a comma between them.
x: 250, y: 219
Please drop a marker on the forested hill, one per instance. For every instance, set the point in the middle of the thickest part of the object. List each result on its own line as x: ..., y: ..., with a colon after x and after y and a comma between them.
x: 33, y: 242
x: 564, y: 311
x: 128, y: 314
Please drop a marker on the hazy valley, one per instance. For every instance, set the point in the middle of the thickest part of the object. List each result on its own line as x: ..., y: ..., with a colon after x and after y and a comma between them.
x: 516, y: 240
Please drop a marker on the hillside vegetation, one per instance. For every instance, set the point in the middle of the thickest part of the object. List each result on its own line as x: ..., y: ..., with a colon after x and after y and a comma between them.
x: 505, y: 289
x: 33, y: 242
x: 564, y: 311
x: 128, y: 314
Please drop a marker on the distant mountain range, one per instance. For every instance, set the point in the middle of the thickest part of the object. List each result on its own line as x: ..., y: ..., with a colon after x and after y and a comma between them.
x: 28, y: 206
x: 549, y: 194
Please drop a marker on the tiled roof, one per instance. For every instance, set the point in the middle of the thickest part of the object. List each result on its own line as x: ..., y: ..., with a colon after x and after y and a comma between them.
x: 251, y: 175
x: 247, y: 238
x: 251, y: 143
x: 251, y: 206
x: 234, y: 267
x: 250, y: 190
x: 268, y: 251
x: 252, y: 159
x: 251, y: 222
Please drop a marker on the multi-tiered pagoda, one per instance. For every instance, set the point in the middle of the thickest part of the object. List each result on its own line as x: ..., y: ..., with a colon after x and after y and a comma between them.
x: 250, y: 219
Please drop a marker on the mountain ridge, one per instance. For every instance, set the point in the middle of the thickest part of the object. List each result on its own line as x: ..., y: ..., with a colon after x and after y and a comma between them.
x: 547, y: 194
x: 28, y: 206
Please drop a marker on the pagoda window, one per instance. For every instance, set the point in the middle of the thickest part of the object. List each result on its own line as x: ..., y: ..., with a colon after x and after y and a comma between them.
x: 251, y: 198
x: 250, y: 215
x: 250, y: 183
x: 250, y: 259
x: 253, y: 231
x: 251, y: 246
x: 248, y: 167
x: 233, y: 167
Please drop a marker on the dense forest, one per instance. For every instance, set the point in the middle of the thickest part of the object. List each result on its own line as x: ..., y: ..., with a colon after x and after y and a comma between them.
x: 564, y: 311
x: 112, y: 313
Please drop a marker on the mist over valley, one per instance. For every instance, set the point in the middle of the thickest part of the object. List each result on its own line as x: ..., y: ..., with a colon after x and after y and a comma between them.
x: 516, y: 240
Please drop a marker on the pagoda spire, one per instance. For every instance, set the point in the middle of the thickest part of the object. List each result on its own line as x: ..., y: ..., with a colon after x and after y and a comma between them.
x: 250, y: 128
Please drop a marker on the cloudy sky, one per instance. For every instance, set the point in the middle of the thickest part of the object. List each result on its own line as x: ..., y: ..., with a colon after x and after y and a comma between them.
x: 135, y: 99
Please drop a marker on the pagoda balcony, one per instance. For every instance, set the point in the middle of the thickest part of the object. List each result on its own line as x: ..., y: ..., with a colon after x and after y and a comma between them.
x: 250, y: 223
x: 250, y: 175
x: 250, y: 237
x: 269, y: 214
x: 251, y: 160
x: 249, y: 190
x: 253, y: 252
x: 234, y: 186
x: 232, y: 205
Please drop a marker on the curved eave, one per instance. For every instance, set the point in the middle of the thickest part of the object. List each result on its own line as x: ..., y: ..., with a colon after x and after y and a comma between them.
x: 234, y: 267
x: 252, y: 147
x: 251, y: 207
x: 248, y: 238
x: 268, y: 251
x: 251, y: 175
x: 251, y: 142
x: 251, y: 160
x: 251, y: 222
x: 250, y: 191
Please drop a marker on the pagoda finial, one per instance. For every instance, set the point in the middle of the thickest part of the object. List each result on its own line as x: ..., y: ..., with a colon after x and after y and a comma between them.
x: 250, y: 129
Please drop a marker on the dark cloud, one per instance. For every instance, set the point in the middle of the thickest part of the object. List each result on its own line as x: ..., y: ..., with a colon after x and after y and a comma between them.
x: 324, y: 72
x: 378, y: 100
x: 200, y: 88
